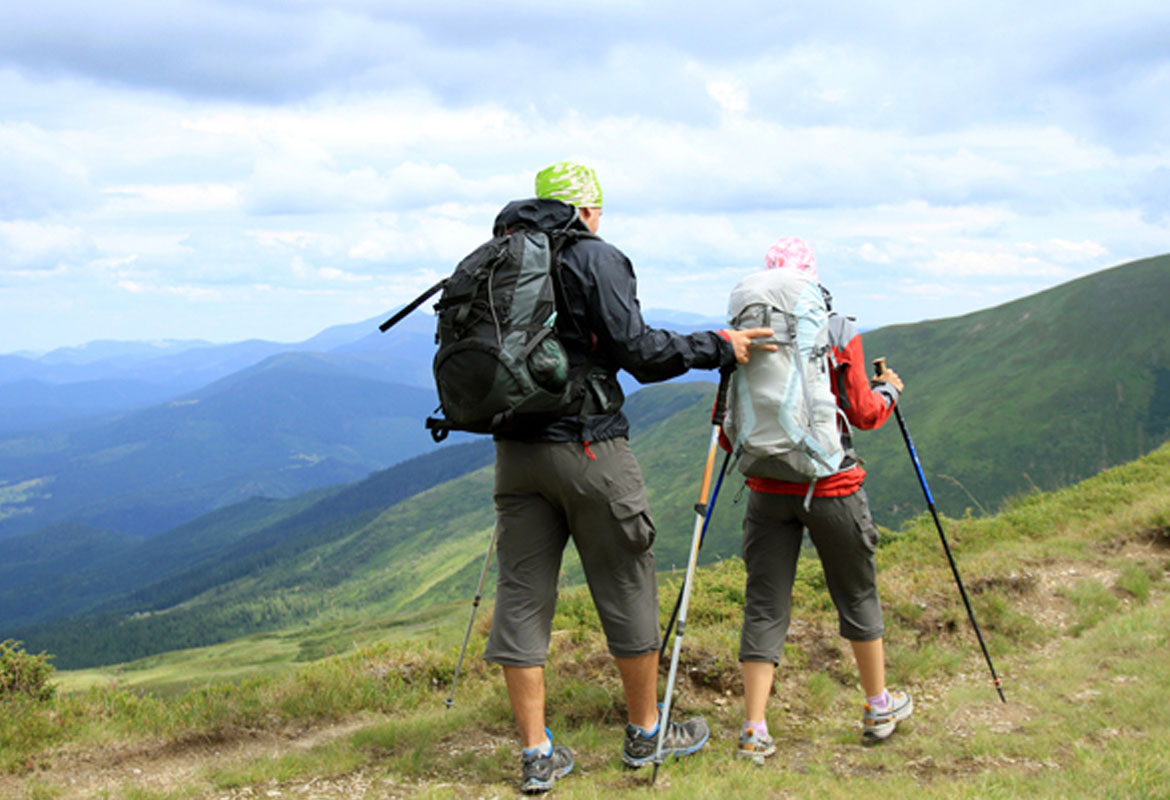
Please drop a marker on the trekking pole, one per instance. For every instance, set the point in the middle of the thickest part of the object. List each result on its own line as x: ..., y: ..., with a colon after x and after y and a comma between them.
x: 450, y: 701
x: 411, y: 306
x: 879, y: 367
x: 704, y: 511
x: 703, y: 508
x: 702, y: 518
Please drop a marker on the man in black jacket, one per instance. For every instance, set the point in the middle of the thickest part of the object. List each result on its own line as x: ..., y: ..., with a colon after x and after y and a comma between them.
x: 577, y: 478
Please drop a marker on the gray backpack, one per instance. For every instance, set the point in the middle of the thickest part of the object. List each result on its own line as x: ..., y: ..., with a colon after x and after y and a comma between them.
x: 782, y: 416
x: 500, y: 367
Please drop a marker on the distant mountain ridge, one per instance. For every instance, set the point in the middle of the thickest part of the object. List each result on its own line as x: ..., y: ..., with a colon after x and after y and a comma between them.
x: 52, y: 388
x: 106, y: 350
x: 1039, y: 392
x: 124, y: 376
x: 32, y: 405
x: 137, y: 437
x: 292, y: 423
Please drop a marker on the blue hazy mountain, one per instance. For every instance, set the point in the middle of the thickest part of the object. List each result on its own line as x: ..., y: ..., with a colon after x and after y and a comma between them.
x: 291, y: 423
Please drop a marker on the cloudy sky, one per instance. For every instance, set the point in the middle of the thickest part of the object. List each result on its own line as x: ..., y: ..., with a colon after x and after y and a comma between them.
x: 267, y: 168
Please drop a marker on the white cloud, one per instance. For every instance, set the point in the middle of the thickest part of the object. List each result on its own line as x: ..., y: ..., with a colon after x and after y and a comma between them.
x: 174, y: 198
x: 194, y: 294
x: 438, y: 236
x: 38, y: 176
x: 1064, y: 251
x: 29, y: 248
x: 196, y: 150
x: 296, y: 239
x: 997, y: 263
x: 145, y: 243
x: 729, y: 94
x: 872, y: 253
x: 328, y: 276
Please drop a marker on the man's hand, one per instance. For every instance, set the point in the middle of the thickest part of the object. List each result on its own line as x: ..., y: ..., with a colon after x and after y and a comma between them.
x: 742, y: 341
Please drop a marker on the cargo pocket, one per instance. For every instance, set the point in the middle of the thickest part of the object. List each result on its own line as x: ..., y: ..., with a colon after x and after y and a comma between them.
x: 632, y: 513
x: 864, y: 520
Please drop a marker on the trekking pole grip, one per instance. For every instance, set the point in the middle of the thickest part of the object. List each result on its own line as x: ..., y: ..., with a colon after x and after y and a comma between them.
x: 879, y: 365
x: 720, y: 409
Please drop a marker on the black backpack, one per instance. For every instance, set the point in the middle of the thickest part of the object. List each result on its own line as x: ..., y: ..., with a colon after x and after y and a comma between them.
x: 500, y: 365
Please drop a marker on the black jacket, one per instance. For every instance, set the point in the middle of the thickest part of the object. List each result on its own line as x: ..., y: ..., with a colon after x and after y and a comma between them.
x: 599, y: 321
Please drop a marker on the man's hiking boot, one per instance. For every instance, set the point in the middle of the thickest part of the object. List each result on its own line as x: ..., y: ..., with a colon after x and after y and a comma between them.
x: 755, y: 747
x: 878, y: 725
x: 682, y: 739
x: 539, y: 773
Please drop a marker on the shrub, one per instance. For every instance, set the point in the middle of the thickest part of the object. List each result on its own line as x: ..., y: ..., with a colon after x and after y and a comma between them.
x: 21, y: 673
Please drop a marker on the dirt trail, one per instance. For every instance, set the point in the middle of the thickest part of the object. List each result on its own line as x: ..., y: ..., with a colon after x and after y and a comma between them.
x: 111, y: 771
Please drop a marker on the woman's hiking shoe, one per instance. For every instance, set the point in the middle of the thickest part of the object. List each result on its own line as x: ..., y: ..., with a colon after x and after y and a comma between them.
x: 755, y: 747
x: 541, y: 772
x: 879, y: 725
x: 682, y: 739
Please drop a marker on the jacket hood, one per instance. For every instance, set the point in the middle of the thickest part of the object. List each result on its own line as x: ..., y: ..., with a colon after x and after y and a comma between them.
x: 537, y: 213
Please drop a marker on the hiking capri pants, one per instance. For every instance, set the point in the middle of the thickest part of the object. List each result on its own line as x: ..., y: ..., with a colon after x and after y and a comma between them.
x: 845, y: 537
x: 547, y: 493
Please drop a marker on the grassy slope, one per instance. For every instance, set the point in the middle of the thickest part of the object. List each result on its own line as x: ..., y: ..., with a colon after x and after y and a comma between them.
x: 1043, y: 391
x: 1070, y: 589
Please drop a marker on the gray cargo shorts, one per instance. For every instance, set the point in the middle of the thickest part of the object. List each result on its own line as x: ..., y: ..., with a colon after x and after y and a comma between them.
x: 845, y: 537
x: 545, y: 494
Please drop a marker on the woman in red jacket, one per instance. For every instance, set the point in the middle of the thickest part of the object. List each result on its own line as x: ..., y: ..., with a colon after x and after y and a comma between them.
x: 840, y: 527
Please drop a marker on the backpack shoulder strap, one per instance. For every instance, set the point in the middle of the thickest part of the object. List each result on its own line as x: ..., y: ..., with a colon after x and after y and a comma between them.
x: 559, y: 239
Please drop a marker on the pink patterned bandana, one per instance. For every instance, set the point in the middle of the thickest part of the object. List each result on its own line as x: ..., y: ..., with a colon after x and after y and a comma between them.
x: 792, y: 252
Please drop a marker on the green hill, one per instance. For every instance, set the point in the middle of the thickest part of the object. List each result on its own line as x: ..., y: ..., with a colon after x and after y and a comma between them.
x: 1034, y: 394
x: 1071, y: 590
x: 1037, y: 393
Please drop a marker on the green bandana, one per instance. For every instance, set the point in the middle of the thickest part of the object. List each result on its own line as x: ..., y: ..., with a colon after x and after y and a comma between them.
x: 575, y: 184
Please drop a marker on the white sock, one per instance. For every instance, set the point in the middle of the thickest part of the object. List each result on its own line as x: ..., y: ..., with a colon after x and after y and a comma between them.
x: 543, y: 749
x: 759, y: 728
x: 651, y: 732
